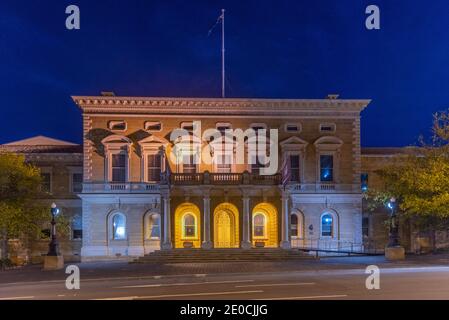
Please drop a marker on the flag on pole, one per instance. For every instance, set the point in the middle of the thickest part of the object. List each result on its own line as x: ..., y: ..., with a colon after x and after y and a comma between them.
x: 216, y: 23
x: 285, y: 171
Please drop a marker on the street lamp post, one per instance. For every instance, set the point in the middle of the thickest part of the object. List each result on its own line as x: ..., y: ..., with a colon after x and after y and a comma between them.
x: 393, y: 251
x: 394, y: 229
x: 53, y: 260
x: 53, y: 247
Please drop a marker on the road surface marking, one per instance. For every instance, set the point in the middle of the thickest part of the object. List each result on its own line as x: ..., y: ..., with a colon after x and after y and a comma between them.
x: 119, y: 298
x: 277, y: 284
x: 17, y: 298
x: 181, y: 284
x: 200, y: 294
x: 200, y: 275
x: 309, y: 297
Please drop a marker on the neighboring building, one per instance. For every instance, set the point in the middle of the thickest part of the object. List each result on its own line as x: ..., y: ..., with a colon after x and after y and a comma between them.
x: 137, y: 198
x: 61, y: 165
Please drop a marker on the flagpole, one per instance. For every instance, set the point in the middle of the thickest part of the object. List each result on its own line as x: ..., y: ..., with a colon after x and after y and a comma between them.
x: 223, y: 53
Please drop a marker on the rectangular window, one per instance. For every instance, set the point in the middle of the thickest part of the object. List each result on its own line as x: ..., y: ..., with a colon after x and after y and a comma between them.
x: 294, y: 168
x: 154, y: 167
x: 77, y: 182
x: 326, y: 168
x: 119, y: 167
x: 327, y: 127
x: 188, y: 163
x: 77, y: 234
x: 46, y: 182
x: 292, y: 127
x: 364, y: 181
x: 153, y: 126
x: 224, y: 156
x: 117, y: 125
x: 365, y: 226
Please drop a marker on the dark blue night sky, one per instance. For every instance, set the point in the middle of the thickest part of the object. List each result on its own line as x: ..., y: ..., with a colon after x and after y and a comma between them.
x: 275, y: 49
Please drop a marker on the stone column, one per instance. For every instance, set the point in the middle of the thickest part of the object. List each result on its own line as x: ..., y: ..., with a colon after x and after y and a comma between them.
x: 285, y: 222
x: 166, y: 244
x: 207, y: 243
x: 246, y: 242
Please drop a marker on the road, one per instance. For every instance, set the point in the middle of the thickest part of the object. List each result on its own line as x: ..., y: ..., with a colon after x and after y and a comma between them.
x: 431, y: 282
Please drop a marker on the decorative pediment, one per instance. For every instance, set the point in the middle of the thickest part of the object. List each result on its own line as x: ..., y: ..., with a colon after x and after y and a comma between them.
x: 153, y: 140
x: 116, y: 139
x: 328, y: 143
x: 293, y: 143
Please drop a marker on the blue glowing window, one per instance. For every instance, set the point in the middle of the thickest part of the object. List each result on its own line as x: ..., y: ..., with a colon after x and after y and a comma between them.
x: 326, y: 168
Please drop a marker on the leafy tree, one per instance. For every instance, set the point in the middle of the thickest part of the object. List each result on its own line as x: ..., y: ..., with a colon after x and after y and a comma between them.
x: 20, y: 213
x: 419, y: 179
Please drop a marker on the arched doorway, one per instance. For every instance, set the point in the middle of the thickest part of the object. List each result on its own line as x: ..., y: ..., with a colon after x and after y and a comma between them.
x: 187, y: 226
x: 226, y: 226
x: 265, y: 225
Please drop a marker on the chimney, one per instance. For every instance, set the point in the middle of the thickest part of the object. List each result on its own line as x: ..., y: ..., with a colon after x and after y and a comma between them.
x: 332, y: 96
x: 107, y: 93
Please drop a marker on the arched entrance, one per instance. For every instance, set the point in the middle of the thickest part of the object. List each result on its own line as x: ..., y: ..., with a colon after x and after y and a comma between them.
x: 187, y: 226
x: 265, y: 225
x: 226, y: 226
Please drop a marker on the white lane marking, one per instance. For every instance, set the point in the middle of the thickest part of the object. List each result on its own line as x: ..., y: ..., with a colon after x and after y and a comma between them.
x: 17, y: 298
x: 200, y: 275
x: 181, y: 284
x: 118, y: 298
x: 277, y: 284
x: 309, y: 297
x: 200, y: 294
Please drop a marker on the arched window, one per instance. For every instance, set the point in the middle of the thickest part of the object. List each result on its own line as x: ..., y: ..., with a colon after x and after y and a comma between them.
x: 259, y: 226
x: 294, y: 226
x: 327, y: 225
x: 154, y: 226
x: 118, y: 227
x: 189, y: 226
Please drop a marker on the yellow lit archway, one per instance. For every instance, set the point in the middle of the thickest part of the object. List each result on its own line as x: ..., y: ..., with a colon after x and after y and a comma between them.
x: 226, y: 226
x: 265, y: 225
x: 187, y: 225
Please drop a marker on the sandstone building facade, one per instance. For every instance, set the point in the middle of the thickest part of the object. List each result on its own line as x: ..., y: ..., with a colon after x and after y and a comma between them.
x: 138, y: 198
x: 127, y: 193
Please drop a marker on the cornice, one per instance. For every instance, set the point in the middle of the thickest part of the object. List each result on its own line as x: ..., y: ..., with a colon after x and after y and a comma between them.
x: 209, y: 106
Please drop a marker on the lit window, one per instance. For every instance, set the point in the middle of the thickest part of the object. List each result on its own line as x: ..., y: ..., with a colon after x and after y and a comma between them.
x: 155, y: 226
x: 119, y: 167
x: 294, y: 225
x: 364, y: 181
x: 77, y: 182
x: 118, y: 227
x: 153, y: 126
x: 326, y: 168
x: 117, y: 125
x: 189, y: 226
x: 259, y: 225
x: 327, y: 127
x: 327, y: 225
x: 154, y: 167
x: 46, y: 182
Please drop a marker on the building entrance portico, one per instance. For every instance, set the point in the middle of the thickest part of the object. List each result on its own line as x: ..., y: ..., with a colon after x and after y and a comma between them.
x: 226, y: 226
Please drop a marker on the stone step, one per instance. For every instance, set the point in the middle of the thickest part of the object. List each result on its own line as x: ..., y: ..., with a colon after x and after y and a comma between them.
x: 221, y: 255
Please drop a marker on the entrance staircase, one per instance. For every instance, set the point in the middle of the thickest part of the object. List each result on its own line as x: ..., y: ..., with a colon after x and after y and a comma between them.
x: 222, y: 255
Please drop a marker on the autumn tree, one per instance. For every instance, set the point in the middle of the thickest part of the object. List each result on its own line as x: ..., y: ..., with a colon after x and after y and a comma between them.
x: 20, y: 213
x: 419, y: 179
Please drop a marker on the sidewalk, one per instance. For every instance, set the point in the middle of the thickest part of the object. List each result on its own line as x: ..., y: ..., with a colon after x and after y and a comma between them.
x: 105, y: 270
